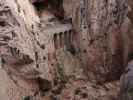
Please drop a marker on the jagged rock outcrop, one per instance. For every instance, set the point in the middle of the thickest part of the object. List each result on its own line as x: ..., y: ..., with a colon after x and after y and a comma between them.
x: 28, y: 43
x: 18, y: 66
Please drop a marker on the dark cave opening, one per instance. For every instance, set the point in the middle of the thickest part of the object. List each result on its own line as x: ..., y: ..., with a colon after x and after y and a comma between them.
x: 40, y: 6
x: 53, y: 6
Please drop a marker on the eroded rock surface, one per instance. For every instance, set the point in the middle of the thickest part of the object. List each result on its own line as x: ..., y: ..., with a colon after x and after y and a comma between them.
x: 28, y: 42
x: 40, y: 55
x: 102, y: 29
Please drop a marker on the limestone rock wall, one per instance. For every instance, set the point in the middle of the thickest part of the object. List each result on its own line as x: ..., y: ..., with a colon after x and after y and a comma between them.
x: 26, y: 10
x: 19, y: 51
x: 28, y: 43
x: 102, y: 29
x: 130, y: 16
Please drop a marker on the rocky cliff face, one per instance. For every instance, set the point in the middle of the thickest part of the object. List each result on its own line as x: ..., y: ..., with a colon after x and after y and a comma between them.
x: 102, y: 29
x: 17, y: 55
x: 29, y: 41
x: 50, y: 51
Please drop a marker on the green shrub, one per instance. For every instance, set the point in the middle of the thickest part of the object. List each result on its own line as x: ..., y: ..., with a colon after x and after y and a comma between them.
x: 27, y: 98
x: 61, y: 73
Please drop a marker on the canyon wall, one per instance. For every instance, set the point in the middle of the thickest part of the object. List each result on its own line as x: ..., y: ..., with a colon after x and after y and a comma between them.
x: 102, y: 34
x: 37, y: 47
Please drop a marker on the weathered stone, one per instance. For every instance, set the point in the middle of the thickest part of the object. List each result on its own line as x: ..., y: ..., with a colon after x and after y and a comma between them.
x: 30, y: 41
x: 126, y: 83
x: 27, y: 48
x: 101, y: 35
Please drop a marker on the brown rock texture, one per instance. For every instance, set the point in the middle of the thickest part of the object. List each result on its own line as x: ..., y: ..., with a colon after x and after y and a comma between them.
x: 28, y: 42
x: 102, y: 29
x: 66, y: 50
